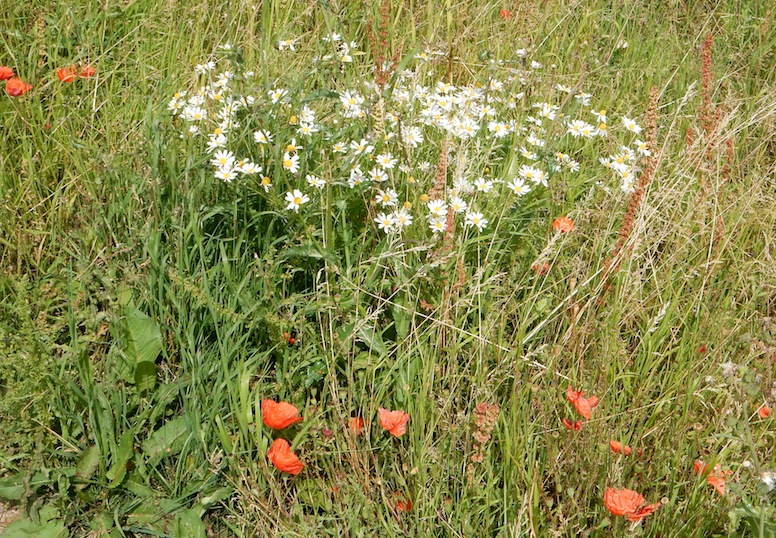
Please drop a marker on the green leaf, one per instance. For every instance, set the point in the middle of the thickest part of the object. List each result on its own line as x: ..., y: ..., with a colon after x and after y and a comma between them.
x: 123, y: 454
x: 12, y: 488
x: 144, y: 340
x: 24, y: 528
x: 87, y: 465
x: 145, y: 376
x: 373, y: 339
x: 167, y: 440
x: 188, y: 524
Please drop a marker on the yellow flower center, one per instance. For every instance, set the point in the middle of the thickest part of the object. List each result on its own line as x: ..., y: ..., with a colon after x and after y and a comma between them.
x: 288, y: 163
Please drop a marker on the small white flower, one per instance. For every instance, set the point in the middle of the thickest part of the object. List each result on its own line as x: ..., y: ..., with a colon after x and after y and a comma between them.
x: 437, y: 224
x: 289, y: 44
x: 476, y: 219
x: 437, y: 208
x: 385, y: 222
x: 519, y: 187
x: 315, y: 181
x: 386, y: 161
x: 216, y: 141
x: 402, y: 218
x: 457, y: 204
x: 262, y: 137
x: 227, y: 174
x: 361, y: 147
x: 483, y: 185
x: 631, y: 125
x: 378, y: 175
x: 223, y: 159
x: 387, y: 197
x: 291, y: 163
x: 277, y: 94
x: 642, y: 148
x: 295, y: 199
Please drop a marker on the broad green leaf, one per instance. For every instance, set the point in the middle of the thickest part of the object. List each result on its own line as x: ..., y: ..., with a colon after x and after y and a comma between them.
x: 188, y: 524
x: 144, y: 340
x: 12, y: 488
x: 24, y: 528
x: 170, y: 436
x: 145, y: 376
x: 373, y: 339
x: 87, y: 465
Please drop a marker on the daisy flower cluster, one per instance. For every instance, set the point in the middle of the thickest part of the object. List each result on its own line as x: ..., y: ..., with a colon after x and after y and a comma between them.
x: 495, y: 145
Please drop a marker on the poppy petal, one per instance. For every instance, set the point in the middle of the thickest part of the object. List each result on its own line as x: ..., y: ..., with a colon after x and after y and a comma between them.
x: 279, y: 415
x: 281, y: 457
x: 394, y: 422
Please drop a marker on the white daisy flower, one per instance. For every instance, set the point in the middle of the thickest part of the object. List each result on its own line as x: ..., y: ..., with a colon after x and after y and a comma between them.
x: 295, y: 199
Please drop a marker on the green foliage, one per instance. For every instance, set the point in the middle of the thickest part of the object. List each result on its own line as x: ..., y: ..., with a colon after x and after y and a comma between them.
x: 147, y: 309
x: 27, y: 361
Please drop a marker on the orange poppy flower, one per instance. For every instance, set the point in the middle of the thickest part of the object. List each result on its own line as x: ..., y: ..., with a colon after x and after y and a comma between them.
x: 563, y: 224
x: 5, y: 72
x: 356, y: 425
x: 716, y: 477
x: 628, y: 503
x: 281, y: 457
x: 66, y: 74
x: 582, y: 404
x: 618, y: 448
x: 401, y: 502
x: 505, y: 14
x: 393, y: 421
x: 87, y: 71
x: 15, y: 87
x: 764, y: 411
x: 574, y: 426
x: 279, y: 415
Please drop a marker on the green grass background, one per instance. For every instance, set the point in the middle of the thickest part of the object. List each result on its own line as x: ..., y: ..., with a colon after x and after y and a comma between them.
x: 115, y: 241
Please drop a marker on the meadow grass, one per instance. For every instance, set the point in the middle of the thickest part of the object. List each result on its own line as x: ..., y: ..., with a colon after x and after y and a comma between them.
x: 148, y: 308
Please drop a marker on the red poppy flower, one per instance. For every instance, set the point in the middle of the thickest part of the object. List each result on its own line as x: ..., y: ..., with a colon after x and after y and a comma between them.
x: 356, y: 425
x: 393, y: 421
x: 505, y: 14
x: 764, y: 411
x: 716, y: 477
x: 66, y: 74
x: 279, y: 415
x: 574, y: 426
x: 5, y: 72
x: 15, y: 87
x: 87, y: 71
x: 618, y: 448
x: 281, y: 457
x: 628, y: 503
x: 563, y: 224
x: 401, y: 502
x: 582, y: 404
